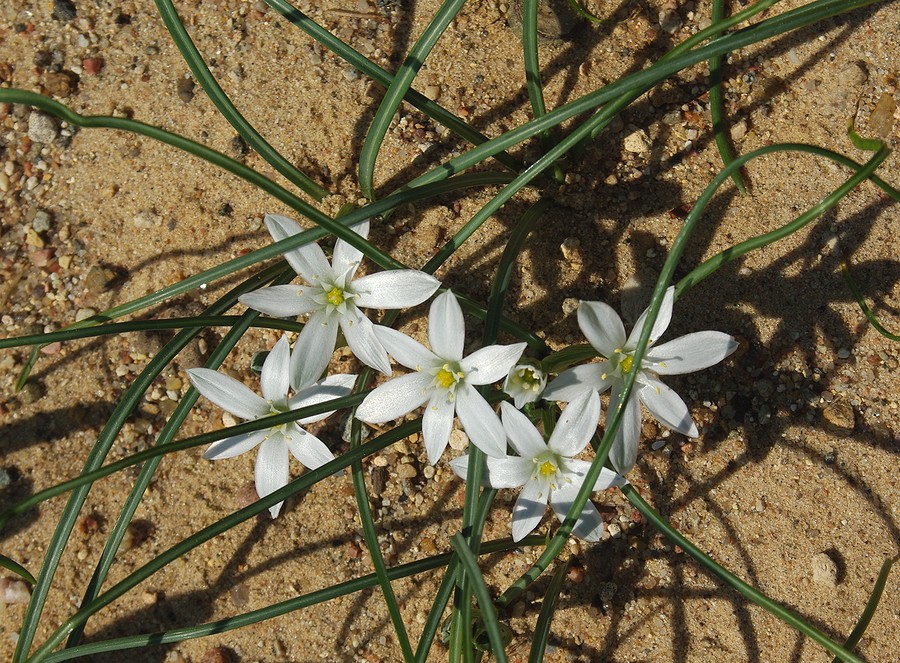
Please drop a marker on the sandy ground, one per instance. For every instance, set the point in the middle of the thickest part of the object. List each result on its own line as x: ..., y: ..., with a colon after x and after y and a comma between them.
x: 792, y: 484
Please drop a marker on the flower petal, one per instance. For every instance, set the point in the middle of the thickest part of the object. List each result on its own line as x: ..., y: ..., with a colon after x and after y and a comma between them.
x: 275, y: 377
x: 309, y: 260
x: 360, y: 334
x: 394, y: 398
x: 623, y: 452
x: 313, y: 350
x: 334, y: 386
x: 395, y: 288
x: 405, y: 350
x: 571, y: 383
x: 480, y: 422
x: 601, y: 326
x: 509, y: 472
x: 437, y: 423
x: 529, y: 509
x: 307, y: 448
x: 607, y: 477
x: 690, y: 353
x: 272, y: 471
x: 492, y: 363
x: 576, y: 425
x: 446, y: 329
x: 589, y: 525
x: 346, y: 257
x: 281, y: 301
x: 522, y: 435
x: 228, y: 393
x: 235, y: 445
x: 667, y: 407
x: 659, y: 327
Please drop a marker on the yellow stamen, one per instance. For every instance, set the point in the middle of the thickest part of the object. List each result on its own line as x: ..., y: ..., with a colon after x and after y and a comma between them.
x: 547, y: 468
x: 626, y: 363
x: 335, y: 296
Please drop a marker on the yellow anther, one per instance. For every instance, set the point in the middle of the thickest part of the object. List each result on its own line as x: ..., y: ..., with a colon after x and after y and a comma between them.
x: 335, y: 296
x: 547, y: 468
x: 626, y: 363
x: 445, y: 377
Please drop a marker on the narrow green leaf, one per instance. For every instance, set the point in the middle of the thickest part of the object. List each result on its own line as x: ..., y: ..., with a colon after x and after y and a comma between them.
x: 869, y: 611
x: 18, y: 569
x: 857, y: 294
x: 548, y: 607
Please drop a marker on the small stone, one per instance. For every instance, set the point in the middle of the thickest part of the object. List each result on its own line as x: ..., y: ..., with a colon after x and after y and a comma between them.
x: 33, y: 239
x: 458, y: 440
x: 738, y: 130
x: 637, y: 142
x: 31, y: 392
x: 92, y: 66
x: 14, y: 590
x: 839, y: 418
x: 881, y: 122
x: 406, y: 471
x: 670, y: 21
x: 41, y: 221
x: 61, y: 83
x: 97, y: 280
x: 824, y: 570
x: 571, y: 249
x: 146, y: 219
x: 433, y: 92
x: 218, y: 655
x: 41, y: 127
x: 185, y: 88
x: 84, y: 314
x: 64, y: 10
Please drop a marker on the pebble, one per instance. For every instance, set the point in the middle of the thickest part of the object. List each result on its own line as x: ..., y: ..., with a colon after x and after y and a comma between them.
x: 14, y: 590
x: 458, y: 440
x: 41, y: 221
x: 406, y: 471
x: 433, y: 92
x: 92, y: 66
x: 670, y: 21
x: 64, y: 10
x: 881, y: 122
x: 738, y: 130
x: 185, y: 88
x: 61, y: 83
x: 31, y: 392
x: 41, y: 127
x: 839, y: 418
x: 84, y: 314
x: 637, y: 142
x: 824, y: 570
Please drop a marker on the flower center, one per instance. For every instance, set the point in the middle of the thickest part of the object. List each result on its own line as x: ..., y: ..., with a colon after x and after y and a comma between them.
x: 626, y: 363
x: 547, y: 468
x: 447, y: 377
x: 335, y: 296
x: 526, y: 379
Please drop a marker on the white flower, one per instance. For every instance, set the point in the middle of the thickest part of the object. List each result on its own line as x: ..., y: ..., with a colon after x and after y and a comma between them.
x: 272, y: 471
x: 547, y: 469
x: 605, y: 331
x: 445, y: 379
x: 332, y: 298
x: 525, y: 382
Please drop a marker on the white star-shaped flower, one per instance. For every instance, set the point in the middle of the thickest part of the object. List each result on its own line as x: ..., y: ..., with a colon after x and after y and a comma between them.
x: 272, y: 460
x: 445, y: 379
x: 547, y: 470
x: 605, y: 332
x: 525, y: 382
x: 332, y: 299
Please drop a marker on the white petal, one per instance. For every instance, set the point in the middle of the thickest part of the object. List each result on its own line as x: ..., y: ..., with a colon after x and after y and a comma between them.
x: 601, y: 326
x: 346, y: 257
x: 576, y: 425
x: 309, y: 260
x: 307, y: 448
x: 661, y: 324
x: 404, y: 350
x: 480, y: 422
x: 395, y: 288
x: 606, y: 479
x: 228, y: 393
x: 272, y: 471
x: 573, y: 382
x: 522, y: 435
x: 437, y: 423
x: 313, y: 350
x: 667, y: 407
x: 529, y: 509
x: 460, y: 466
x: 394, y: 398
x: 690, y: 353
x: 334, y: 386
x: 275, y: 377
x: 492, y: 363
x: 623, y: 452
x: 589, y: 525
x: 281, y: 301
x: 360, y: 334
x: 446, y: 329
x: 235, y: 445
x: 509, y: 472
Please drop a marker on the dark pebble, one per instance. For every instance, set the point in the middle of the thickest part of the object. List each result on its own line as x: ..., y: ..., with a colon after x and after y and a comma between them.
x: 239, y: 146
x: 185, y: 89
x: 64, y: 10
